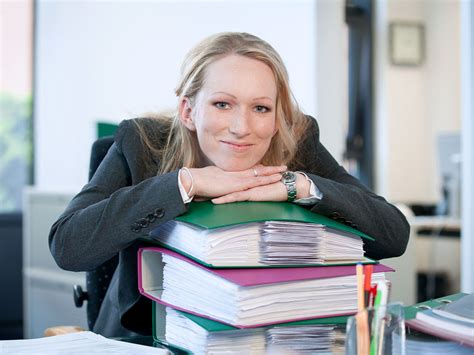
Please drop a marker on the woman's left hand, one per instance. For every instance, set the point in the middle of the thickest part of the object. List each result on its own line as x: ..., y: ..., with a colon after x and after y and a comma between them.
x: 271, y: 192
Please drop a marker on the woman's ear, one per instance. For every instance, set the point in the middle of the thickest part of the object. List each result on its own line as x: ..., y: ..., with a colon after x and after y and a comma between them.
x: 185, y: 111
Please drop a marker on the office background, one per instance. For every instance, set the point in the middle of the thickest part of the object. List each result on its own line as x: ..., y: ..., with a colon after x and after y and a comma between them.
x: 110, y: 60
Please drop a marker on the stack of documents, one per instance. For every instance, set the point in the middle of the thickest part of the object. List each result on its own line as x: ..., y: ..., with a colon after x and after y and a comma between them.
x: 260, y: 233
x: 203, y: 336
x: 307, y: 243
x: 249, y: 297
x: 451, y: 320
x: 309, y: 339
x: 253, y: 277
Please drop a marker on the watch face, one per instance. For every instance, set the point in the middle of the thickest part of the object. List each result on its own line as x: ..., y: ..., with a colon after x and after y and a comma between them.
x: 288, y: 177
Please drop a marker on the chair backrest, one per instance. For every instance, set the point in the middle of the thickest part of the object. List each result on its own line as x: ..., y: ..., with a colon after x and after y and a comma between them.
x: 98, y: 280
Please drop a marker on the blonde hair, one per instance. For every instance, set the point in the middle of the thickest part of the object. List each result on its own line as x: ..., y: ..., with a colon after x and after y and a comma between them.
x: 182, y: 147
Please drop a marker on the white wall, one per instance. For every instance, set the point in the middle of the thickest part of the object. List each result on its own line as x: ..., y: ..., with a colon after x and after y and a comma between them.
x: 332, y: 45
x: 112, y: 60
x: 416, y: 103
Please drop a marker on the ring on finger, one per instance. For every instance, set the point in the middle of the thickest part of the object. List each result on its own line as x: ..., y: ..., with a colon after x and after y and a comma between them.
x: 255, y: 172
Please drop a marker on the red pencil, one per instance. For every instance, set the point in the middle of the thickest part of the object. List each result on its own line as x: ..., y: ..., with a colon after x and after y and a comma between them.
x: 373, y: 293
x: 368, y: 269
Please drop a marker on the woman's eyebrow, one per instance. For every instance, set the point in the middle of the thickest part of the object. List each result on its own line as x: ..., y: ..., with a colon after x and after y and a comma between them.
x: 235, y: 97
x: 262, y: 98
x: 225, y: 93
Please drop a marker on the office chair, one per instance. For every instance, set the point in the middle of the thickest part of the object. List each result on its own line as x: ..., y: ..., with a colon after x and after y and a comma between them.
x: 98, y: 280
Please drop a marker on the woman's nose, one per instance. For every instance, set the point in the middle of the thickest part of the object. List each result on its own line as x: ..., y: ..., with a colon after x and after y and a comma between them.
x: 239, y: 124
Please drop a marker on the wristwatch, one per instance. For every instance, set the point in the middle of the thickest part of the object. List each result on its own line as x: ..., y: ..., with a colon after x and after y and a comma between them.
x: 288, y: 178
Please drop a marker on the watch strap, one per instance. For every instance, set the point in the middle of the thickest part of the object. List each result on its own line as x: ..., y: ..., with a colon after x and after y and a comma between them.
x: 289, y: 180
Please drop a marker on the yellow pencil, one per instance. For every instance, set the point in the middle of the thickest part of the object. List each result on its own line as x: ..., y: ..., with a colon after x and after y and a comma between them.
x: 363, y: 336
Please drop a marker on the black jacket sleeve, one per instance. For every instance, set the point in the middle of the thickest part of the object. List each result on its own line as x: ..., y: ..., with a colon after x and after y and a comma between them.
x: 347, y: 200
x: 122, y: 201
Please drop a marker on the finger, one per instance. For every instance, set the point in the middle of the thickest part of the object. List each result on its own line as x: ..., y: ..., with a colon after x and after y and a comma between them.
x: 273, y: 192
x: 233, y: 197
x: 259, y: 181
x: 200, y: 199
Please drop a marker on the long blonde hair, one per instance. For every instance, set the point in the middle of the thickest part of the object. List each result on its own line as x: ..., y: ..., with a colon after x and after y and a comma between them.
x: 182, y: 148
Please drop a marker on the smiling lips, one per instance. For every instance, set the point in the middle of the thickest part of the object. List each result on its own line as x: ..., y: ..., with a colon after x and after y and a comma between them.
x: 238, y: 147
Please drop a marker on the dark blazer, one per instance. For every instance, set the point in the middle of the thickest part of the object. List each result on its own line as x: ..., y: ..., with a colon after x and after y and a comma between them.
x: 125, y: 199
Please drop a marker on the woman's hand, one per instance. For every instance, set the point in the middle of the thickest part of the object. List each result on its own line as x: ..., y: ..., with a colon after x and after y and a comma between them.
x: 211, y: 181
x: 271, y: 192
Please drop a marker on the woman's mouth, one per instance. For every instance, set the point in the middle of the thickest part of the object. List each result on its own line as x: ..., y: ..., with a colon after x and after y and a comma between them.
x: 237, y: 146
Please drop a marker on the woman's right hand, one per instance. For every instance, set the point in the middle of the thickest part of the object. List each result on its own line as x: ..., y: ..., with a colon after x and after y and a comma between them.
x: 211, y: 181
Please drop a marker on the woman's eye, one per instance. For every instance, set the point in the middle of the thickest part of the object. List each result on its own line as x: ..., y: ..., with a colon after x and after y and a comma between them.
x: 261, y: 109
x: 222, y: 105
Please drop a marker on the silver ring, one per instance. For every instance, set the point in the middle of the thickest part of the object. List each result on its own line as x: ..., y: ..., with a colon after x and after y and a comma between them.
x: 255, y: 172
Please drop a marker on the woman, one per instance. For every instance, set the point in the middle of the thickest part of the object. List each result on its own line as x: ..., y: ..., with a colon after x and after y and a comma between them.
x: 236, y: 132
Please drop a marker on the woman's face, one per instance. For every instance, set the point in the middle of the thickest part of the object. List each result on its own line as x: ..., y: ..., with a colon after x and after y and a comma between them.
x: 234, y: 113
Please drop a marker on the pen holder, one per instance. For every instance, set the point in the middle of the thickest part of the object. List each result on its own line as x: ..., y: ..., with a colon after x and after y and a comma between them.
x: 377, y: 330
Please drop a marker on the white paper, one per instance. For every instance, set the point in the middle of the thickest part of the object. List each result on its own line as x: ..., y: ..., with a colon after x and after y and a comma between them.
x: 75, y: 343
x: 263, y: 243
x: 198, y: 290
x: 309, y: 339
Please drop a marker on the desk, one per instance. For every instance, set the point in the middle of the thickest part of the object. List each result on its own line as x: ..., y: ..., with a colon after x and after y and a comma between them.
x: 438, y: 249
x: 47, y: 290
x: 436, y: 223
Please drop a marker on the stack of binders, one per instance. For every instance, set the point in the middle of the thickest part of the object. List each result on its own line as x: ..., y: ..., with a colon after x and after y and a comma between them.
x: 449, y: 318
x: 253, y: 277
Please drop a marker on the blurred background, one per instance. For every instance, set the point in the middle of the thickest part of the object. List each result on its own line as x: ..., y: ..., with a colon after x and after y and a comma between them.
x: 389, y: 81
